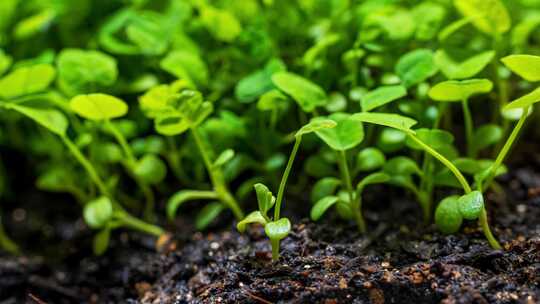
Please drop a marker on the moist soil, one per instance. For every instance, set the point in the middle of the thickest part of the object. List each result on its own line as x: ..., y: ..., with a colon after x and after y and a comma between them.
x: 399, y: 261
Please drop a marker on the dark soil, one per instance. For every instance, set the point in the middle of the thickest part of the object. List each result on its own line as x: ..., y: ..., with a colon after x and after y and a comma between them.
x: 400, y: 261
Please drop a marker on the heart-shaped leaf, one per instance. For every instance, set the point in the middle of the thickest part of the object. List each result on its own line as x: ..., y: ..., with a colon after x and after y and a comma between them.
x: 455, y: 90
x: 265, y: 198
x: 382, y: 96
x: 370, y: 159
x: 463, y: 70
x: 526, y: 66
x: 489, y: 16
x: 252, y: 218
x: 27, y: 80
x: 524, y: 101
x: 471, y: 204
x: 98, y: 106
x: 415, y: 67
x: 54, y: 120
x: 321, y: 206
x: 324, y: 187
x: 278, y: 230
x: 307, y: 94
x: 447, y: 216
x: 390, y: 120
x: 98, y: 212
x: 347, y: 134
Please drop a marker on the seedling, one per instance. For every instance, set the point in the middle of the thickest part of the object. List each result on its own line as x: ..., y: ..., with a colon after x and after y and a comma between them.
x: 176, y: 110
x: 277, y: 228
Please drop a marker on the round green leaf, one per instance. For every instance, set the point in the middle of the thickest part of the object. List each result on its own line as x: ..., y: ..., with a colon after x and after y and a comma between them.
x: 381, y: 96
x: 98, y: 106
x: 151, y: 169
x: 278, y: 230
x: 252, y: 218
x: 391, y: 140
x: 347, y: 134
x: 415, y: 67
x: 324, y: 187
x: 98, y: 212
x: 85, y: 71
x: 489, y: 16
x: 307, y: 94
x: 321, y: 206
x: 471, y: 204
x: 369, y: 159
x: 526, y: 66
x: 454, y: 90
x: 447, y: 216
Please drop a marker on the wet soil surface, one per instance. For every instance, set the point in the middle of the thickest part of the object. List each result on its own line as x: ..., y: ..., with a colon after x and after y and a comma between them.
x: 399, y: 261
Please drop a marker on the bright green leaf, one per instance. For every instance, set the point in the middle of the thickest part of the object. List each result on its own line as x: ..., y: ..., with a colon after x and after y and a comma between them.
x: 526, y: 66
x: 98, y: 106
x: 347, y: 134
x: 278, y: 230
x: 98, y: 212
x: 315, y: 125
x: 265, y: 198
x: 307, y: 94
x: 252, y: 218
x: 389, y: 120
x: 454, y: 90
x: 489, y: 16
x: 186, y: 65
x: 27, y: 80
x: 256, y: 84
x: 524, y: 101
x: 470, y: 205
x: 224, y: 157
x: 369, y: 159
x: 416, y: 66
x: 54, y: 120
x: 434, y: 138
x: 382, y: 96
x: 462, y: 70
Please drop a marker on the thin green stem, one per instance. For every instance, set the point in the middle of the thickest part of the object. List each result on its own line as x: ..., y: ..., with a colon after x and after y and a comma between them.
x: 468, y: 126
x: 217, y: 178
x: 462, y: 180
x: 90, y: 169
x: 137, y: 224
x: 484, y: 224
x: 505, y: 149
x: 346, y: 179
x: 284, y: 178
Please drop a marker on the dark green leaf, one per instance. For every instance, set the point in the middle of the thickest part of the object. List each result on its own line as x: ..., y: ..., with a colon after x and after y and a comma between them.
x: 321, y: 206
x: 369, y: 159
x: 101, y: 241
x: 447, y: 216
x: 207, y: 214
x: 151, y: 169
x: 324, y: 187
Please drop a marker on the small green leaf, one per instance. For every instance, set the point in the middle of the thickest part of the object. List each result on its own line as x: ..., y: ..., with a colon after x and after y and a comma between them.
x: 372, y: 179
x: 278, y: 230
x: 391, y: 140
x: 324, y: 187
x: 108, y: 153
x: 224, y: 157
x: 415, y: 67
x: 370, y: 159
x: 489, y: 16
x: 85, y: 71
x: 221, y: 23
x: 315, y: 125
x: 307, y: 94
x: 454, y: 90
x: 382, y: 96
x: 252, y: 218
x: 151, y: 169
x: 98, y: 106
x: 207, y: 214
x: 27, y: 80
x: 486, y: 136
x: 265, y: 198
x: 462, y: 70
x: 526, y: 66
x: 182, y: 196
x: 435, y: 138
x: 447, y: 216
x: 186, y: 65
x: 321, y: 206
x: 54, y: 120
x: 402, y: 165
x: 471, y: 204
x: 256, y: 84
x: 524, y: 101
x: 98, y: 212
x: 101, y: 241
x: 5, y: 62
x: 390, y: 120
x: 347, y: 134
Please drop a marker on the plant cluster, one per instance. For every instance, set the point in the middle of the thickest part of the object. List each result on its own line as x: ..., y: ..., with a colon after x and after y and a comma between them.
x: 199, y: 100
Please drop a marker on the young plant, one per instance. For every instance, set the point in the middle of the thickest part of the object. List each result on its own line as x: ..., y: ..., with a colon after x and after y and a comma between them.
x: 277, y: 228
x: 103, y: 213
x: 176, y: 110
x: 469, y: 206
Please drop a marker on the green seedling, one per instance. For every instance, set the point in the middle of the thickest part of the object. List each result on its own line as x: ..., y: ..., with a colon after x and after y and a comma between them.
x: 176, y: 111
x: 277, y: 228
x: 469, y: 201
